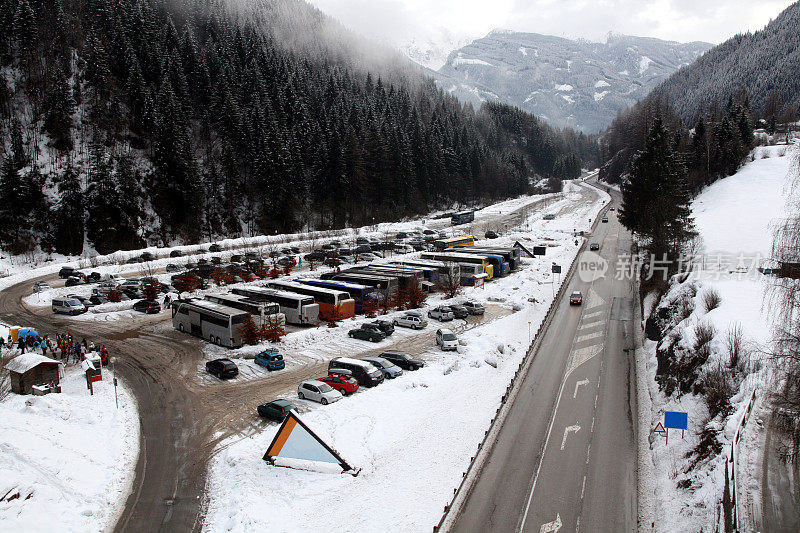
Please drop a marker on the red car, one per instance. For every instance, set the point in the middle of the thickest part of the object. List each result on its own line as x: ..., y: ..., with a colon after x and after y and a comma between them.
x: 576, y: 298
x: 249, y: 276
x: 343, y: 383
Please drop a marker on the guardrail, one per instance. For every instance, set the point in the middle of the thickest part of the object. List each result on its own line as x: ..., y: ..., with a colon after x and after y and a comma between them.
x: 732, y: 461
x: 476, y: 461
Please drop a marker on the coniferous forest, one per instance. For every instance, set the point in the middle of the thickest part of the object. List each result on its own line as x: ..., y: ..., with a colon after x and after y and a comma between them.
x: 134, y: 122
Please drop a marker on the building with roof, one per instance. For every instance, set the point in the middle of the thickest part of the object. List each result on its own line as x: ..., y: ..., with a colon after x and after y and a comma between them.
x: 31, y: 370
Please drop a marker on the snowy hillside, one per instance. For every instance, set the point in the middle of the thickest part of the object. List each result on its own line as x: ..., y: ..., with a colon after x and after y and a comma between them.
x: 432, y: 51
x: 690, y: 363
x: 573, y: 83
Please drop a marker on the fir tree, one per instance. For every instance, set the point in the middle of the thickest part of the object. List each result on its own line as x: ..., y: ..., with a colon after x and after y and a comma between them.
x: 69, y: 215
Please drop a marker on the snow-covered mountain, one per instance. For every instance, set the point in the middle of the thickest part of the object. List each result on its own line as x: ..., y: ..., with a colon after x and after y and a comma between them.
x: 431, y: 51
x: 568, y: 82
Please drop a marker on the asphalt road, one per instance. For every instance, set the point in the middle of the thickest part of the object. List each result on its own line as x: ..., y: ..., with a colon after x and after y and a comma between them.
x: 565, y: 456
x: 185, y: 420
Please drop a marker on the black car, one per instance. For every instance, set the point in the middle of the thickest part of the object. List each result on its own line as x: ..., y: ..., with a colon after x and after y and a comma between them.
x: 74, y: 280
x: 362, y: 249
x: 94, y: 277
x: 490, y: 235
x: 98, y: 299
x: 222, y: 368
x: 176, y: 253
x: 147, y: 306
x: 383, y: 325
x: 67, y: 272
x: 216, y: 260
x: 215, y: 248
x: 316, y: 255
x: 295, y: 249
x: 459, y: 311
x: 87, y: 302
x: 402, y: 359
x: 286, y: 251
x: 147, y: 256
x: 237, y: 258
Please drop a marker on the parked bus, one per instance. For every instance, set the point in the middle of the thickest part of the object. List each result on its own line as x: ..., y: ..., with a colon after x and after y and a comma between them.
x: 333, y: 304
x: 217, y: 323
x: 456, y: 257
x: 404, y: 278
x: 418, y: 274
x: 510, y: 255
x: 385, y: 284
x: 501, y: 268
x: 358, y: 292
x: 298, y: 308
x: 430, y: 273
x: 263, y: 312
x: 461, y: 240
x: 462, y: 217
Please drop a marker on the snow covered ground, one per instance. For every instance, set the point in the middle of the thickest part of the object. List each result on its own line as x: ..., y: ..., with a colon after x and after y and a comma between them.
x: 412, y: 436
x: 69, y: 457
x: 734, y: 217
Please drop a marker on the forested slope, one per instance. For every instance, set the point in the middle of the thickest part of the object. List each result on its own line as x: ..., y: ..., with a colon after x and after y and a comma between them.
x: 150, y: 121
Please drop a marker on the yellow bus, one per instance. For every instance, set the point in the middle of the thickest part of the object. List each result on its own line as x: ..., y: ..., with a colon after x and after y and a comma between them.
x: 461, y: 258
x: 461, y: 240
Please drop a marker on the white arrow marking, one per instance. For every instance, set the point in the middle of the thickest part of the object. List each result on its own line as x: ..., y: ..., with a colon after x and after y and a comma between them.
x: 567, y: 431
x: 578, y: 384
x: 552, y: 527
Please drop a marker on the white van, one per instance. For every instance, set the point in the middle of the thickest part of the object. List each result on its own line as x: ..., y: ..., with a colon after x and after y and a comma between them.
x: 116, y: 278
x: 403, y: 249
x: 68, y: 306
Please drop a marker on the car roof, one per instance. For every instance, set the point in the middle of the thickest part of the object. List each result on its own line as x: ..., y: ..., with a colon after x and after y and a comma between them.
x: 282, y: 403
x: 445, y: 330
x: 395, y: 352
x: 576, y: 293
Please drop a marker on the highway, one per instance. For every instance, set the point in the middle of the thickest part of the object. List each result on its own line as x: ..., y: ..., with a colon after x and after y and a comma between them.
x: 565, y: 456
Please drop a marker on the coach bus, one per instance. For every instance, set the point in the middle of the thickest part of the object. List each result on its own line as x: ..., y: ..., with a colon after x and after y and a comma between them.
x: 500, y: 266
x: 405, y: 279
x: 298, y: 308
x: 217, y: 323
x: 510, y: 255
x: 462, y: 217
x: 358, y: 292
x: 263, y: 312
x: 430, y: 273
x: 332, y: 303
x: 461, y: 240
x: 456, y: 257
x: 385, y: 284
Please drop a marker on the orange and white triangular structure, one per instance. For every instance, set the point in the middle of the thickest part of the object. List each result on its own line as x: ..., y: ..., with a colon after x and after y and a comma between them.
x: 295, y: 440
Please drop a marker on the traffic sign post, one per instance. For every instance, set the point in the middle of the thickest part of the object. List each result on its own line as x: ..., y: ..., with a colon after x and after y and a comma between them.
x: 676, y: 420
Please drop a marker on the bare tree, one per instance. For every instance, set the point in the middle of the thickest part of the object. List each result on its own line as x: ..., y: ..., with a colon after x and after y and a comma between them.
x: 450, y: 280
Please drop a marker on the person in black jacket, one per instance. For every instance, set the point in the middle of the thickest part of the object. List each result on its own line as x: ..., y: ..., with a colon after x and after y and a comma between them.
x: 22, y: 344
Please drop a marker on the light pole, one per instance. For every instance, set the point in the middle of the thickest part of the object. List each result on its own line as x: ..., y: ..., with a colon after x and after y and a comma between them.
x: 114, y: 375
x: 529, y: 333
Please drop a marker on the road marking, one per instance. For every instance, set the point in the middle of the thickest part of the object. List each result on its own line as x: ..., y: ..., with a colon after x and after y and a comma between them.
x: 592, y: 315
x: 590, y: 336
x: 582, y: 355
x: 594, y: 299
x: 583, y: 486
x: 552, y: 527
x: 578, y: 384
x: 567, y: 431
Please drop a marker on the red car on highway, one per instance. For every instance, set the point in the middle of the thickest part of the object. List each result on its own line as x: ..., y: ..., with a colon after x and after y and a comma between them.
x: 576, y: 298
x: 343, y: 382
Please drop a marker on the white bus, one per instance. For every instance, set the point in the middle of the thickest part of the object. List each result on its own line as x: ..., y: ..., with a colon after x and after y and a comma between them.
x: 217, y: 323
x: 263, y: 312
x: 298, y: 308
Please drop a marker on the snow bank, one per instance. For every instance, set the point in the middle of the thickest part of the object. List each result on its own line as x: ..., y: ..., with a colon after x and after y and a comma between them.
x: 69, y: 456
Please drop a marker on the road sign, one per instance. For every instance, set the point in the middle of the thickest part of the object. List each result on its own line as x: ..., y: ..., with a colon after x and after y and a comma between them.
x: 676, y: 420
x: 539, y: 250
x: 556, y: 269
x: 660, y: 429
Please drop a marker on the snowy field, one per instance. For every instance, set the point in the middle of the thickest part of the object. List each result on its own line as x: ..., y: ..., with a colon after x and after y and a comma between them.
x: 413, y: 436
x: 734, y: 217
x: 69, y: 457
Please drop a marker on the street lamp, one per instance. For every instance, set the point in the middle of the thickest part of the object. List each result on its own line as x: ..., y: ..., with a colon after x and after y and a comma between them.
x: 114, y: 375
x: 529, y: 333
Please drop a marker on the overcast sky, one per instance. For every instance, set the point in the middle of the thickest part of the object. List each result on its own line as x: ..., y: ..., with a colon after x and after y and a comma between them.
x: 397, y: 21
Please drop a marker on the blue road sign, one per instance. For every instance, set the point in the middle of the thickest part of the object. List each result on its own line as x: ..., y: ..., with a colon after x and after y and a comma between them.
x: 676, y: 420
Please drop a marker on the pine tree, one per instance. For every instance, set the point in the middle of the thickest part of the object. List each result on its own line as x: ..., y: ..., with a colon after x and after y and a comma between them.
x: 69, y: 223
x: 60, y: 107
x: 102, y: 202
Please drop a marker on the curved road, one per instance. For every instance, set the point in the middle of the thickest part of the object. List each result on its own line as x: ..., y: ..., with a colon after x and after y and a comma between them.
x: 183, y: 419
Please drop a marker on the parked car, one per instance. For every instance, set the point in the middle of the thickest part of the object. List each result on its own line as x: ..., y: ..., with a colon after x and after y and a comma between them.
x: 474, y: 308
x: 107, y: 285
x: 441, y: 313
x: 276, y: 409
x: 270, y: 359
x: 402, y: 359
x: 576, y: 298
x: 67, y: 271
x: 41, y: 286
x: 134, y: 260
x: 335, y: 261
x: 131, y: 284
x: 223, y: 368
x: 116, y: 278
x: 362, y: 249
x: 459, y: 311
x: 73, y: 281
x: 316, y: 255
x: 594, y: 246
x: 363, y: 371
x: 148, y: 307
x: 67, y: 306
x: 411, y: 320
x: 82, y: 299
x: 446, y: 339
x: 94, y: 277
x: 367, y: 333
x: 176, y: 253
x: 389, y: 369
x: 215, y: 248
x: 403, y: 248
x: 172, y: 267
x: 98, y: 299
x: 382, y: 325
x: 368, y: 256
x: 341, y: 380
x: 611, y: 208
x: 147, y: 256
x: 490, y: 235
x: 549, y: 216
x: 283, y: 261
x: 401, y: 236
x: 318, y: 392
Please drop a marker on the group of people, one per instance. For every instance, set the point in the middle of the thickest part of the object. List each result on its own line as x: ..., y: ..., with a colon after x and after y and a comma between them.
x: 64, y: 347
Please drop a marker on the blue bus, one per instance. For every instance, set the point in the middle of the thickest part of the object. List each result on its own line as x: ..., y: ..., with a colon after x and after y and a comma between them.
x: 462, y: 217
x: 357, y: 292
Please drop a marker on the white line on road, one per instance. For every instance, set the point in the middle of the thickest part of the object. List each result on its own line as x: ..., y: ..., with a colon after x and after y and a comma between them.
x: 589, y: 336
x: 567, y: 431
x: 578, y: 384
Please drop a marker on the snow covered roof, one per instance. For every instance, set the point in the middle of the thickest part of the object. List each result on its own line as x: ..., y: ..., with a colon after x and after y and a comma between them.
x: 26, y: 361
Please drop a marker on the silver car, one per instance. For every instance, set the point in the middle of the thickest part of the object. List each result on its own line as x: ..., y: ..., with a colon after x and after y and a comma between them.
x: 41, y: 286
x: 389, y: 369
x: 411, y: 320
x: 441, y: 313
x: 446, y: 339
x: 318, y: 392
